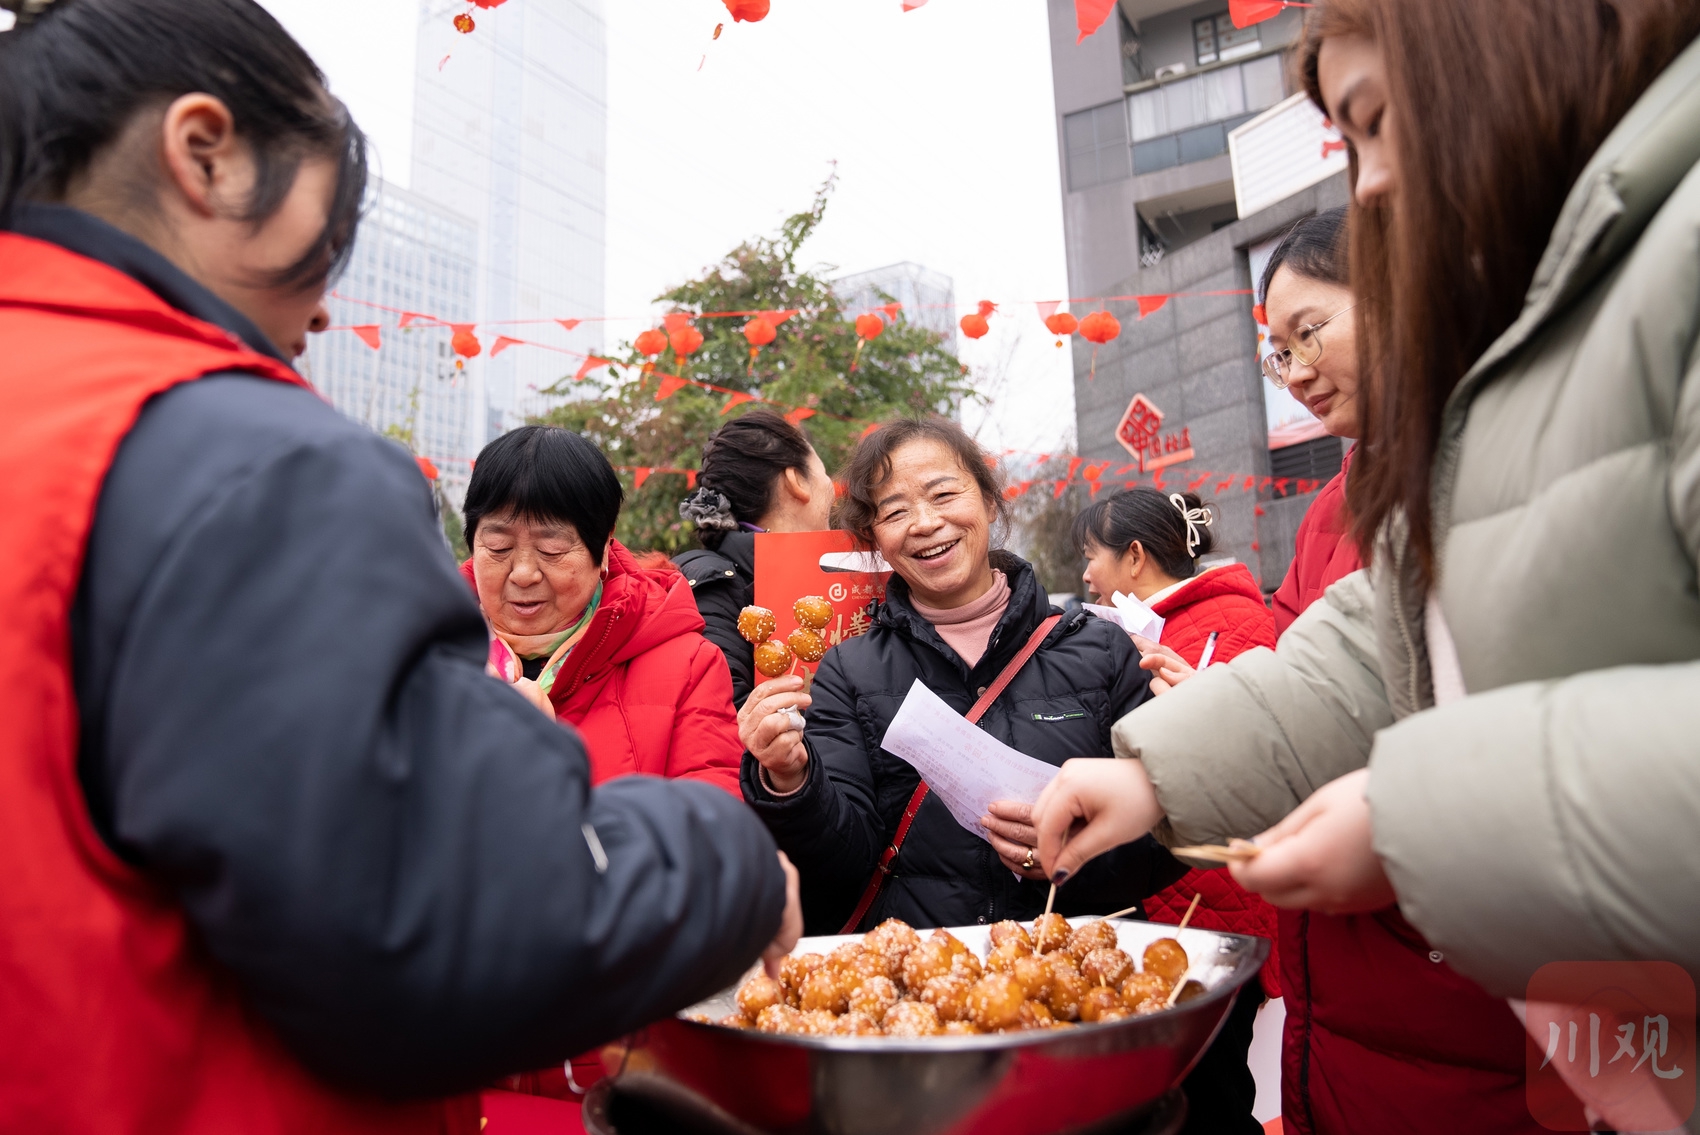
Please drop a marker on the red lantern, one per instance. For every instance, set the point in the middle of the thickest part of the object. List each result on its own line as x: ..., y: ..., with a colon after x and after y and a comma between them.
x: 489, y: 3
x: 464, y: 24
x: 651, y: 343
x: 749, y: 11
x: 1098, y: 328
x: 685, y: 340
x: 869, y: 326
x: 759, y: 331
x: 465, y: 343
x: 974, y: 325
x: 1062, y: 324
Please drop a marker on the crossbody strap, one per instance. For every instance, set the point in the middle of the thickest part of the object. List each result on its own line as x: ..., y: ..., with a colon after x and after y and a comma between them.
x: 883, y: 871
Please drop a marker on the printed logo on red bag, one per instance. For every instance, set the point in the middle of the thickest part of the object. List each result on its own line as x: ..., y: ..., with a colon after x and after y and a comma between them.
x: 1619, y: 1037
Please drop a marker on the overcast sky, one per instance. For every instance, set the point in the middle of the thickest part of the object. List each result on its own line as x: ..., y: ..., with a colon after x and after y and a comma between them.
x: 940, y: 121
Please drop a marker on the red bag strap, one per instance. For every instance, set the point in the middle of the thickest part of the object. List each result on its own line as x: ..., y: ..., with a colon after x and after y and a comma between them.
x: 883, y: 871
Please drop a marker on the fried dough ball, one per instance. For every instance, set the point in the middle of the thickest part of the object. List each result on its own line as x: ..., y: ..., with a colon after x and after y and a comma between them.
x: 1036, y: 1015
x: 735, y: 1021
x: 1050, y: 932
x: 1009, y: 929
x: 773, y: 658
x: 967, y: 965
x: 947, y: 994
x: 1145, y: 992
x: 1166, y: 958
x: 1002, y: 958
x: 819, y: 1022
x: 758, y: 993
x: 780, y: 1019
x: 1098, y: 935
x: 856, y: 963
x: 806, y: 644
x: 955, y: 944
x: 793, y: 969
x: 1068, y: 989
x: 1034, y: 974
x: 824, y: 989
x: 857, y: 1024
x: 961, y: 1028
x: 912, y: 1018
x: 892, y: 940
x: 928, y: 960
x: 756, y: 624
x: 874, y: 998
x: 813, y: 612
x: 1106, y: 967
x: 1191, y: 991
x: 994, y: 1002
x: 1099, y: 1000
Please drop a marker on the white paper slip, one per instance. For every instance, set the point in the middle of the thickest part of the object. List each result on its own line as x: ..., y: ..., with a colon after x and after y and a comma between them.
x: 964, y: 765
x: 1137, y: 618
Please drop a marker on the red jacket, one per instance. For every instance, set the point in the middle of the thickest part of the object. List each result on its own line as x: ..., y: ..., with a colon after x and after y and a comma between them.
x: 648, y: 693
x: 1224, y: 600
x: 118, y: 1019
x: 1381, y: 1034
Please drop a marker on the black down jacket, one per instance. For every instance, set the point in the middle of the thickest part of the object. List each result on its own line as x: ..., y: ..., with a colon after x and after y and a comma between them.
x: 1062, y: 704
x: 723, y: 580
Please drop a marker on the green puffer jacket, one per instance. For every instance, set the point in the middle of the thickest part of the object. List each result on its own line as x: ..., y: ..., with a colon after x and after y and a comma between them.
x: 1554, y: 812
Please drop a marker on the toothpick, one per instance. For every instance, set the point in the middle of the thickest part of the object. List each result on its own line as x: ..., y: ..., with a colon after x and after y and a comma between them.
x: 1196, y: 896
x: 1050, y: 898
x: 1119, y: 913
x: 1237, y: 851
x: 1181, y: 984
x: 1175, y: 992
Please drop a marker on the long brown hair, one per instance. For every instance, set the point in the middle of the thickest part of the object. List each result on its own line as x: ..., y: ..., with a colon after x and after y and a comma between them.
x: 1499, y: 106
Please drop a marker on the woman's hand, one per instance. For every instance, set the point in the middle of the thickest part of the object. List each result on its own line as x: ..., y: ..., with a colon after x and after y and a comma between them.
x: 772, y: 736
x: 528, y: 689
x: 1320, y: 857
x: 1168, y: 669
x: 1013, y: 837
x: 790, y: 926
x: 1093, y: 805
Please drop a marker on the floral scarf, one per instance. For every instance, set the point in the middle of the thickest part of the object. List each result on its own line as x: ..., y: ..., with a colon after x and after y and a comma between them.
x: 509, y: 652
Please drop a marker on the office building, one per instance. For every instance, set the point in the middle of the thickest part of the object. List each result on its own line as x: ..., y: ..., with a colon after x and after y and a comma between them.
x: 1185, y: 152
x: 928, y: 297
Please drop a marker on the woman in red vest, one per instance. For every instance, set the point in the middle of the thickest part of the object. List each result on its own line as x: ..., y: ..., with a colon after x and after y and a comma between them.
x: 616, y: 647
x: 273, y: 842
x: 1147, y: 545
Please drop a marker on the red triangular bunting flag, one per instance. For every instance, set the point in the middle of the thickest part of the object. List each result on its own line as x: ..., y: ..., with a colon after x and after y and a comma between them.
x: 1192, y: 485
x: 503, y: 343
x: 1281, y: 484
x: 409, y: 318
x: 1149, y: 304
x: 1048, y: 308
x: 1074, y: 464
x: 463, y: 328
x: 427, y: 468
x: 591, y: 362
x: 569, y: 324
x: 1222, y: 486
x: 801, y: 412
x: 891, y: 309
x: 1128, y: 468
x: 370, y: 334
x: 738, y: 399
x: 911, y: 5
x: 1245, y: 13
x: 690, y: 478
x: 1062, y: 487
x: 1095, y: 486
x: 640, y: 475
x: 1089, y: 15
x: 778, y: 317
x: 670, y: 385
x: 872, y: 426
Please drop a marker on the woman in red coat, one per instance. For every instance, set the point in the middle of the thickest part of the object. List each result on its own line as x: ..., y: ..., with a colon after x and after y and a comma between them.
x: 616, y: 648
x: 1146, y: 546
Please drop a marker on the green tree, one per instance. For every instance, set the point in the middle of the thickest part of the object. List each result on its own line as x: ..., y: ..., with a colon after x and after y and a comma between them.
x: 905, y: 371
x: 1041, y: 523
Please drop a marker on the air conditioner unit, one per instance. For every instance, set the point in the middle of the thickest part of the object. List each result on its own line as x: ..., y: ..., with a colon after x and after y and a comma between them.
x: 1171, y: 71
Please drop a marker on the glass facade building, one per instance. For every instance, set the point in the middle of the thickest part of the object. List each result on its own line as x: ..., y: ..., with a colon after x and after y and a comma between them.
x: 928, y: 297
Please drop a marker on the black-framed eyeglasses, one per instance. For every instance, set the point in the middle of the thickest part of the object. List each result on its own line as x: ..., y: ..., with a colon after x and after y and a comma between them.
x: 1305, y: 349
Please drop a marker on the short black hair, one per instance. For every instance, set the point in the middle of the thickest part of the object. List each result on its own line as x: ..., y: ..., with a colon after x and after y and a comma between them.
x: 1314, y: 248
x: 1151, y: 518
x: 546, y: 473
x: 73, y: 77
x: 870, y: 465
x: 743, y: 461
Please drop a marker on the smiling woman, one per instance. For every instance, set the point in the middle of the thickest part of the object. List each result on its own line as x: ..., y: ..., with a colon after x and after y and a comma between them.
x: 956, y: 614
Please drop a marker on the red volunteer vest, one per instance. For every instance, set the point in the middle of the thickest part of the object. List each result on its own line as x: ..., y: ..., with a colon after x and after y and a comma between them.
x: 115, y: 1019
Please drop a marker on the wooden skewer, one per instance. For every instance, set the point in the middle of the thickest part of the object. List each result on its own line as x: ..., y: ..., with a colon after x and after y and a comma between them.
x: 1236, y: 851
x: 1050, y: 898
x: 1119, y: 913
x: 1188, y: 918
x: 1181, y: 984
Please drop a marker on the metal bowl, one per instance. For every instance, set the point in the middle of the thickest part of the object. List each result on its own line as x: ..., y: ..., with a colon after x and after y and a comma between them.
x: 1023, y: 1083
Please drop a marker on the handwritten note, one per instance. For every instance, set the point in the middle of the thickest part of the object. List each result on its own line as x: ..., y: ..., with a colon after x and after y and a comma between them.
x: 966, y: 767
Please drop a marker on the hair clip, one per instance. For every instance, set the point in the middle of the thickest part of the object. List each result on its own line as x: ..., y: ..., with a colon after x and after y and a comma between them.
x: 1193, y: 517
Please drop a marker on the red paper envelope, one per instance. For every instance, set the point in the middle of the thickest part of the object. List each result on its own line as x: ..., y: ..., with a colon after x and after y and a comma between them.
x: 790, y: 565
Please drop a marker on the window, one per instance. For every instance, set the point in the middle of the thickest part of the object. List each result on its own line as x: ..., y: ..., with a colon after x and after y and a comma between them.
x: 1216, y: 39
x: 1096, y: 143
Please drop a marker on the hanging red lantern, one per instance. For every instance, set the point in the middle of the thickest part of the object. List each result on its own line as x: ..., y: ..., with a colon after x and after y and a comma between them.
x: 759, y: 331
x: 1061, y: 324
x: 749, y: 11
x: 651, y: 343
x: 974, y: 325
x: 685, y: 340
x: 465, y: 343
x: 869, y: 326
x: 1098, y: 328
x: 465, y: 24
